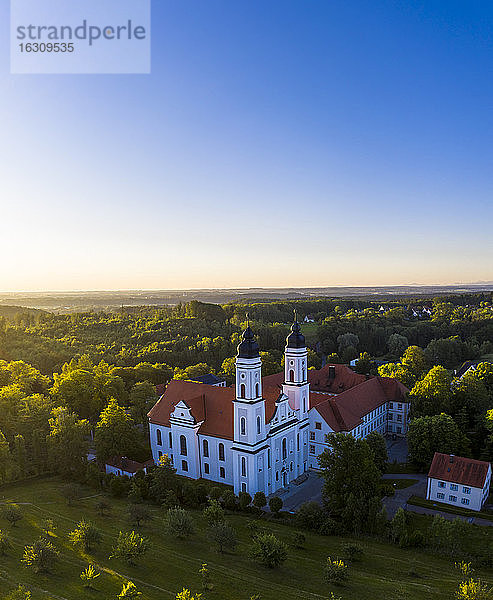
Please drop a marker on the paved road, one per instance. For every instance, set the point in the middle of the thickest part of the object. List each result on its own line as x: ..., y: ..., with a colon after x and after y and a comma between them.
x: 393, y: 503
x: 295, y: 495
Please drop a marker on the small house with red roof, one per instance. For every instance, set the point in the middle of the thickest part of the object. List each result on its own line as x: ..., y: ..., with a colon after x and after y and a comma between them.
x: 458, y: 481
x: 264, y: 432
x: 121, y: 465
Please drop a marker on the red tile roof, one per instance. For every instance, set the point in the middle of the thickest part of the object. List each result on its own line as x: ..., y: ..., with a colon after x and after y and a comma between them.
x: 127, y: 464
x: 457, y: 469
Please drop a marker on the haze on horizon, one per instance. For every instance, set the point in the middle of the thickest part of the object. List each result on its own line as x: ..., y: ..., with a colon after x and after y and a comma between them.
x: 275, y: 144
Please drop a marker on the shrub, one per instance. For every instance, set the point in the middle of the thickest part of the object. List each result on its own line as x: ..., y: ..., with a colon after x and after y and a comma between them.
x: 129, y: 546
x: 268, y: 550
x: 129, y: 591
x: 310, y: 515
x: 103, y: 507
x: 137, y: 514
x: 336, y: 570
x: 119, y: 486
x: 275, y: 505
x: 215, y: 493
x: 259, y: 500
x: 85, y: 535
x: 5, y: 544
x: 387, y: 489
x: 329, y: 526
x: 244, y: 500
x: 49, y: 527
x: 254, y: 529
x: 213, y: 513
x: 230, y: 501
x: 170, y: 500
x: 299, y: 540
x: 416, y: 539
x: 473, y: 590
x: 88, y: 576
x: 178, y: 523
x: 223, y: 536
x: 20, y: 593
x: 40, y: 556
x: 352, y: 552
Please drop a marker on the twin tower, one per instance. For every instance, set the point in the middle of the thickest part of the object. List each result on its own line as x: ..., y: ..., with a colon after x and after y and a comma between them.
x: 258, y: 444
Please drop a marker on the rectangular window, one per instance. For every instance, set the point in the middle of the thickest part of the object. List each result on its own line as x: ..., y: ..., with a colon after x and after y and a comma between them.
x: 312, y: 435
x: 454, y: 487
x: 222, y: 473
x: 391, y: 405
x: 184, y: 465
x: 390, y: 417
x: 440, y: 496
x: 206, y: 468
x: 442, y: 484
x: 465, y: 501
x: 452, y: 498
x: 318, y: 425
x: 399, y: 418
x: 312, y: 449
x: 399, y: 406
x: 466, y: 490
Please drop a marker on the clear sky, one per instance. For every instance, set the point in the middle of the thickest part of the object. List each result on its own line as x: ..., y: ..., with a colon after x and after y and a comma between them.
x: 276, y: 143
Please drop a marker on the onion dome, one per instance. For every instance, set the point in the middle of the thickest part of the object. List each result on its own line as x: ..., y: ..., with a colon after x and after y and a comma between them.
x: 248, y: 347
x: 295, y: 339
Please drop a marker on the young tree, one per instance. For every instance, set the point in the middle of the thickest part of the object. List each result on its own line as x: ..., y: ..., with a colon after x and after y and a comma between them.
x: 129, y: 591
x: 378, y: 449
x: 71, y: 492
x: 275, y: 504
x: 89, y: 575
x: 268, y: 550
x: 213, y: 513
x: 244, y: 500
x: 5, y: 544
x: 163, y: 479
x: 40, y: 556
x: 473, y: 590
x: 68, y: 442
x: 350, y: 479
x: 206, y: 577
x: 352, y: 552
x: 20, y: 593
x: 103, y: 507
x: 115, y: 432
x: 223, y: 536
x: 138, y: 514
x: 336, y: 570
x: 12, y: 514
x: 259, y: 500
x: 178, y: 523
x: 187, y: 595
x: 398, y: 526
x: 129, y: 546
x: 85, y: 536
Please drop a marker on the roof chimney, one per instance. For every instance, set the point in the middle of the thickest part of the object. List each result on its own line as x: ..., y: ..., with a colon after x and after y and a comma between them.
x: 332, y: 372
x: 451, y: 458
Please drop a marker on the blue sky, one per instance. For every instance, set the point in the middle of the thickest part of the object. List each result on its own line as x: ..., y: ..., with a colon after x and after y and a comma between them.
x: 276, y: 143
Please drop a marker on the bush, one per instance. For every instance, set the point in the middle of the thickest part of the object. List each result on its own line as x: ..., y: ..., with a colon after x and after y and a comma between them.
x: 386, y: 489
x: 336, y: 570
x: 213, y: 513
x: 178, y: 523
x: 299, y: 540
x: 275, y: 505
x: 5, y: 544
x: 268, y: 550
x: 88, y: 576
x: 244, y: 500
x: 329, y: 526
x: 223, y: 536
x: 103, y: 507
x: 119, y: 486
x: 129, y: 546
x: 215, y: 493
x: 254, y: 529
x: 170, y: 500
x: 259, y: 500
x: 352, y: 552
x: 230, y: 501
x: 309, y: 516
x: 20, y: 593
x: 40, y: 556
x: 416, y: 539
x: 12, y: 514
x: 137, y: 514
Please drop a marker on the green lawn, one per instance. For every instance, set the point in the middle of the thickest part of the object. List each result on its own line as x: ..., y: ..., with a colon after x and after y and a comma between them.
x: 171, y: 564
x: 400, y: 484
x: 455, y: 510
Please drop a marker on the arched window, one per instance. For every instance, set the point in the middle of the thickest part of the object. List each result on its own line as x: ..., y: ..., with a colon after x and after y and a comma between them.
x: 242, y: 426
x: 159, y: 437
x: 284, y: 449
x: 242, y: 390
x: 183, y: 445
x: 205, y: 446
x: 257, y: 390
x: 259, y: 426
x: 243, y: 466
x: 221, y: 451
x: 291, y: 375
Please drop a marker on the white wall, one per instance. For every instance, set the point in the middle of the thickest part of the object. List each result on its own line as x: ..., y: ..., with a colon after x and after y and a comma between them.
x: 438, y: 488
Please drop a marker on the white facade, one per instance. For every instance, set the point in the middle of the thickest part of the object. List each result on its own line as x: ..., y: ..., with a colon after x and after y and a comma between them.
x: 457, y: 494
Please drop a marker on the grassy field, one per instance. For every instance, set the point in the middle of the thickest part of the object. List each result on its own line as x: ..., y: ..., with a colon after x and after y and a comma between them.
x: 171, y: 564
x: 400, y: 484
x: 455, y: 510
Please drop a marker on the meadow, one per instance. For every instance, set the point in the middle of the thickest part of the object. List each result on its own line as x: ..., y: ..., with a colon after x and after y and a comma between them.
x: 384, y: 571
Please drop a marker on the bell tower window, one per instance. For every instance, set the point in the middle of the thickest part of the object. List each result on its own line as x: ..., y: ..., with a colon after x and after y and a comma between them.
x: 242, y: 426
x: 291, y: 375
x: 242, y: 390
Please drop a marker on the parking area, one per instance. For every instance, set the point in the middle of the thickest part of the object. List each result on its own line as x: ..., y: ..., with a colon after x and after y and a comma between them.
x: 397, y: 449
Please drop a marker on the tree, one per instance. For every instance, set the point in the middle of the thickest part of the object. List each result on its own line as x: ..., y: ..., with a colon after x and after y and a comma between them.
x: 67, y: 442
x: 129, y: 591
x: 5, y: 544
x: 85, y: 535
x: 430, y: 434
x: 397, y: 344
x: 178, y: 523
x: 415, y: 360
x: 12, y: 514
x: 142, y: 397
x: 205, y: 576
x: 310, y: 515
x: 350, y: 479
x: 187, y: 595
x: 364, y: 364
x: 431, y: 395
x: 398, y: 371
x: 71, y: 492
x: 20, y: 593
x: 378, y: 449
x: 259, y: 500
x: 398, y: 526
x: 89, y: 575
x: 473, y: 590
x: 353, y: 552
x: 115, y: 432
x: 268, y: 550
x: 40, y: 556
x: 137, y: 514
x: 213, y: 513
x: 223, y: 536
x: 5, y: 458
x: 163, y: 479
x: 129, y: 546
x: 103, y: 507
x: 244, y: 500
x: 336, y: 570
x: 347, y: 340
x: 275, y: 504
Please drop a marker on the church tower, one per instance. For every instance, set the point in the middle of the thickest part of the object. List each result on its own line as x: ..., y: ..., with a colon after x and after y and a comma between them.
x: 249, y: 419
x: 296, y: 385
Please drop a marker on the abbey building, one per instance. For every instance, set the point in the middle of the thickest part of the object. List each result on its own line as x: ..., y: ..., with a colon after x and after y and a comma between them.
x: 264, y: 432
